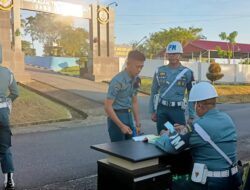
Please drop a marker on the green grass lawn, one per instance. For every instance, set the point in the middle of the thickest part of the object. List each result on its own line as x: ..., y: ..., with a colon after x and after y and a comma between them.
x: 228, y: 93
x: 73, y: 71
x: 31, y: 108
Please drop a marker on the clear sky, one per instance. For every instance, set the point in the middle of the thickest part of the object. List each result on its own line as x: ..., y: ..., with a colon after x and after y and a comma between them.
x: 137, y: 18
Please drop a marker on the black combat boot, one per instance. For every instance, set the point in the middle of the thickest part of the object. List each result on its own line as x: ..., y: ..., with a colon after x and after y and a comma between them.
x: 9, y: 182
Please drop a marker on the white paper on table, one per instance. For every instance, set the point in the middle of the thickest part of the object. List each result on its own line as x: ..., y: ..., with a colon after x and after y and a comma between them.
x: 142, y: 137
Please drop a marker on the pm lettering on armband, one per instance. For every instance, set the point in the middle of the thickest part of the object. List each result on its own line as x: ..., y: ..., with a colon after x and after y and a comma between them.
x: 177, y: 142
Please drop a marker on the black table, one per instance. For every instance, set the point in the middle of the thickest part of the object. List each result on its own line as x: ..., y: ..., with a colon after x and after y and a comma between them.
x: 130, y: 150
x: 112, y: 176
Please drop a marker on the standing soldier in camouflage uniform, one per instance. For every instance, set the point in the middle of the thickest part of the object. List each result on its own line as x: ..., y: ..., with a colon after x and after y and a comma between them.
x: 8, y: 93
x: 170, y: 83
x: 121, y: 103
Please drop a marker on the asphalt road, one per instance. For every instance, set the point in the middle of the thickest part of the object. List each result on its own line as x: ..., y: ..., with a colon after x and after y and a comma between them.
x: 63, y: 154
x: 59, y: 155
x: 240, y: 114
x: 53, y: 156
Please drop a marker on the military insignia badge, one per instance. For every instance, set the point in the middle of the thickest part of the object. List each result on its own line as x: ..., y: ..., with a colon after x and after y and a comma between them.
x: 137, y: 82
x: 162, y: 74
x: 103, y: 15
x: 6, y: 4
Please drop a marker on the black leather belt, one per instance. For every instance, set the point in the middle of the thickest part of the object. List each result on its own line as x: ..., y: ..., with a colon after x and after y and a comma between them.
x: 123, y: 110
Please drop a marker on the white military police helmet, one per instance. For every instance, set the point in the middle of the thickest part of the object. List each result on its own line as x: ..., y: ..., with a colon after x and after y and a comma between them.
x: 202, y: 91
x: 174, y: 47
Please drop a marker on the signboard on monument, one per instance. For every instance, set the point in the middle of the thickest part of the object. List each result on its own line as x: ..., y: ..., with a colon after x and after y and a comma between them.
x: 57, y: 7
x: 6, y: 4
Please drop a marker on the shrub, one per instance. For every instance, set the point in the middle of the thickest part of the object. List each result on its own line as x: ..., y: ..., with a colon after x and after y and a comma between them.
x: 214, y: 72
x: 246, y: 62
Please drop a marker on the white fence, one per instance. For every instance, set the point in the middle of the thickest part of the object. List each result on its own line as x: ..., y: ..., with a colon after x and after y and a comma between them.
x: 233, y: 73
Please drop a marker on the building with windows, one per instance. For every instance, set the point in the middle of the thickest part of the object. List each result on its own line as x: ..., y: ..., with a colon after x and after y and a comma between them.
x: 200, y: 50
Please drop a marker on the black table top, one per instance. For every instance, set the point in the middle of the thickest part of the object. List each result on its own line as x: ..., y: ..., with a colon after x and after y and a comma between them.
x: 130, y: 150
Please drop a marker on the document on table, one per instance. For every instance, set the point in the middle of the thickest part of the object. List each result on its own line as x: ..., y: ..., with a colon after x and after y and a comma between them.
x: 142, y: 137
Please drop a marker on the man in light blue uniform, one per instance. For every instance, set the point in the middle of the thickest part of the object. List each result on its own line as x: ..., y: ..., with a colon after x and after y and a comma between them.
x: 121, y: 103
x: 171, y: 105
x: 7, y: 84
x: 219, y: 126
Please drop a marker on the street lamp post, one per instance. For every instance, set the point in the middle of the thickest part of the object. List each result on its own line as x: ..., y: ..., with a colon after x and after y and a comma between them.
x: 113, y: 3
x: 137, y: 44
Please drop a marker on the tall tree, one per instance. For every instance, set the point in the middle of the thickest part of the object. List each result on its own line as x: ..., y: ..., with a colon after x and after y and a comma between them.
x: 57, y: 35
x: 245, y: 61
x: 48, y: 30
x: 158, y: 40
x: 27, y: 49
x: 74, y: 42
x: 29, y: 28
x: 230, y: 38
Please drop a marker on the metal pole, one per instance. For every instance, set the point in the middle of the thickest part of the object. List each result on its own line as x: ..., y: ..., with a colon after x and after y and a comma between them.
x: 199, y: 71
x: 208, y: 55
x: 233, y: 55
x: 138, y: 43
x: 235, y: 73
